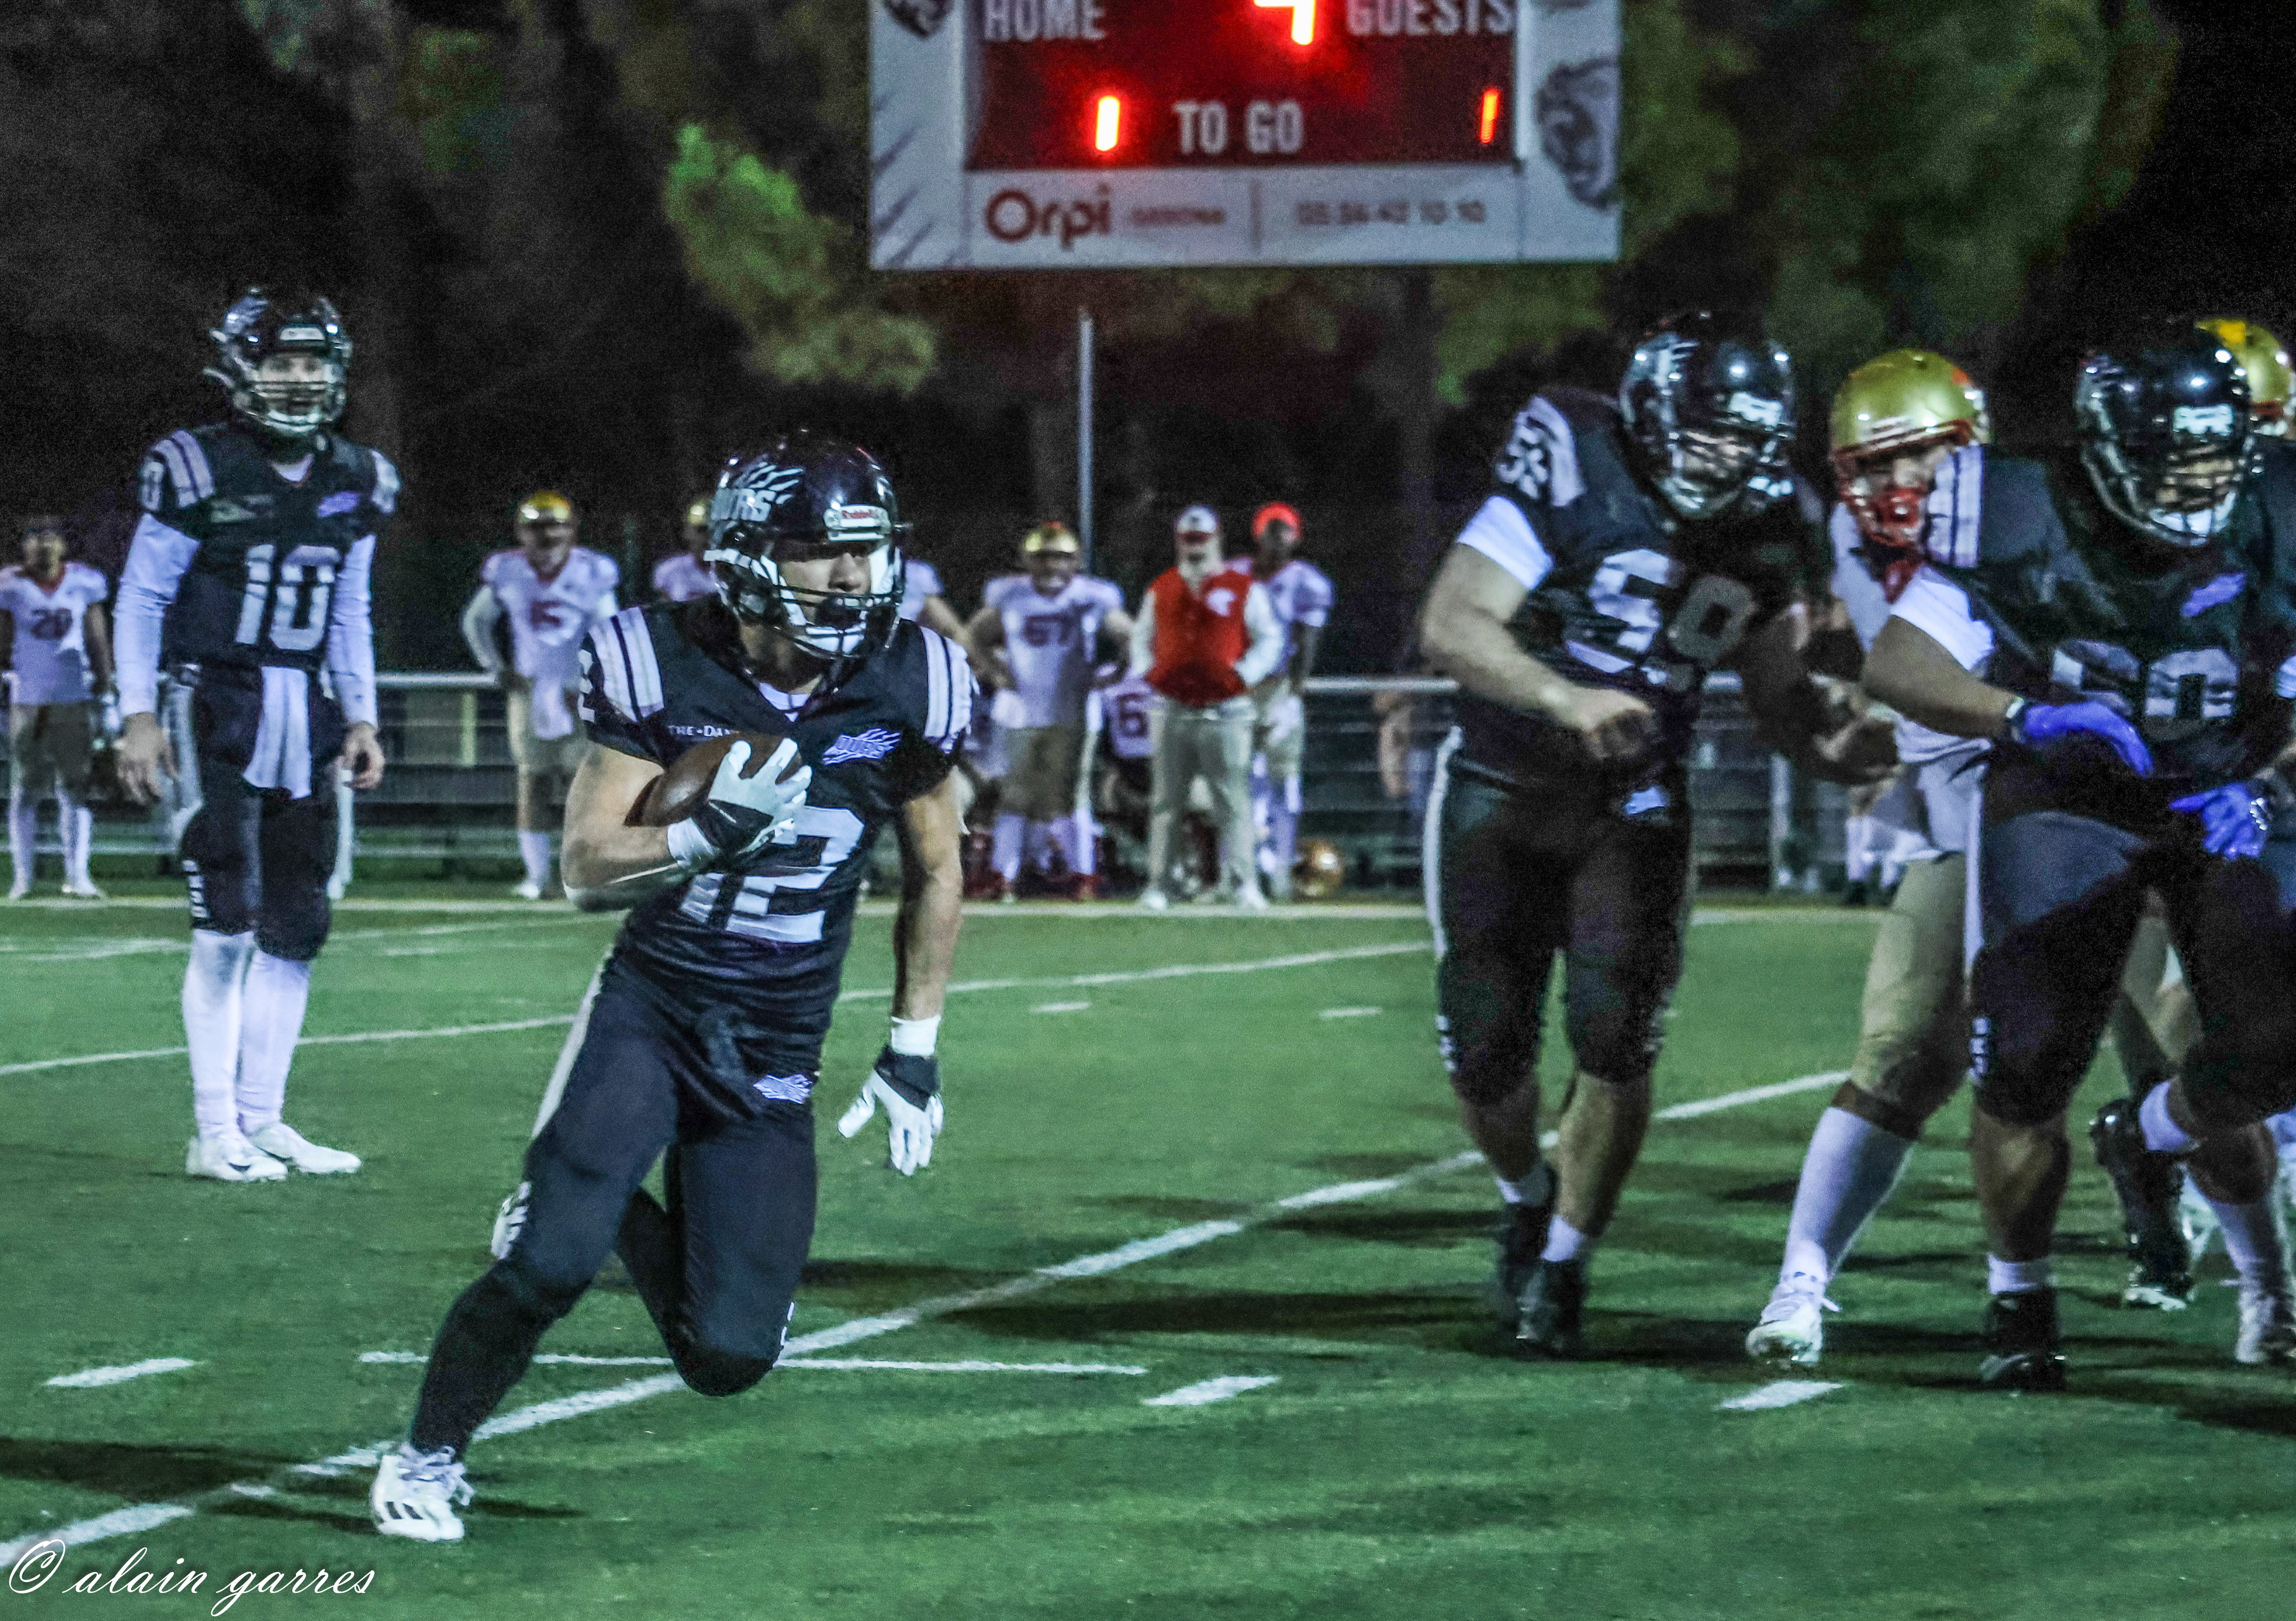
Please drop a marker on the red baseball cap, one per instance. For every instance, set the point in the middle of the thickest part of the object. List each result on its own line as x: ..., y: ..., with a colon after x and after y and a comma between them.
x: 1274, y: 511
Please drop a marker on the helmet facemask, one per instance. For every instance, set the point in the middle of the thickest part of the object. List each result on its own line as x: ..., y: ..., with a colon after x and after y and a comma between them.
x: 1892, y: 513
x: 750, y: 564
x: 286, y: 364
x: 2173, y: 473
x: 1712, y: 421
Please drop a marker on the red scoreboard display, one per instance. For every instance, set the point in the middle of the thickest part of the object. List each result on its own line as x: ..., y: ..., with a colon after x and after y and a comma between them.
x: 1017, y: 133
x: 1227, y: 82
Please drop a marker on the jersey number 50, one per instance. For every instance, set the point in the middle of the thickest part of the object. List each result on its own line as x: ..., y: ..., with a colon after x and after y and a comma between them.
x: 298, y: 592
x: 1707, y: 620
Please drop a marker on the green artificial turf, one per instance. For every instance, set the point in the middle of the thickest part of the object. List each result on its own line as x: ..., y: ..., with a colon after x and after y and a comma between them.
x: 1401, y: 1464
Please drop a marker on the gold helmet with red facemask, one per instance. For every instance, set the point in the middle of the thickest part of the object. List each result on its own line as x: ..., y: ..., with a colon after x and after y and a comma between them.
x: 1895, y: 419
x: 2270, y: 377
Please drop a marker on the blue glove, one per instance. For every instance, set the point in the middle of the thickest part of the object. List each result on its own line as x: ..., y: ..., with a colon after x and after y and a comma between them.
x: 2235, y: 819
x: 2039, y: 723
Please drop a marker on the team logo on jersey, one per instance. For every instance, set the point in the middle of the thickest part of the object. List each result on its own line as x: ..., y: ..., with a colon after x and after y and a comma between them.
x: 222, y: 509
x: 341, y: 501
x: 2224, y: 588
x: 875, y: 743
x: 1219, y: 599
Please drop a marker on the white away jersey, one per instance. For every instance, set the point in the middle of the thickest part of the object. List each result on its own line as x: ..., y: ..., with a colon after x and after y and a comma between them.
x: 682, y: 577
x: 1301, y: 594
x: 50, y: 655
x: 919, y: 580
x: 548, y: 619
x: 1051, y: 641
x: 1128, y: 705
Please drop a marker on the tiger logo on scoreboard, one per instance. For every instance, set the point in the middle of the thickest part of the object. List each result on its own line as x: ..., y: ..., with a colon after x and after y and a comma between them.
x: 1577, y: 112
x: 921, y: 18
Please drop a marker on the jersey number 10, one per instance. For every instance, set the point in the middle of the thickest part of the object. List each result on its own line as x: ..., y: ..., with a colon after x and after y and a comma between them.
x: 298, y: 593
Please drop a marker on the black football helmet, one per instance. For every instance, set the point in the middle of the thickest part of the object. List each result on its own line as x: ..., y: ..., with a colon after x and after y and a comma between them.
x: 805, y: 492
x: 264, y: 323
x: 2166, y: 434
x: 1708, y: 406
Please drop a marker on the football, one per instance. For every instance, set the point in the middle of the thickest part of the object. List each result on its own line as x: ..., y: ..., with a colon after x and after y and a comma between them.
x: 672, y: 796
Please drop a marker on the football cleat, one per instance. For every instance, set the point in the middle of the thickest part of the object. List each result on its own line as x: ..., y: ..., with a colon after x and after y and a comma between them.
x: 1521, y: 1236
x: 510, y: 1221
x: 1792, y: 1327
x: 2268, y: 1324
x: 20, y: 888
x: 1086, y: 886
x: 414, y: 1495
x: 2147, y: 1183
x: 1251, y: 899
x: 231, y: 1158
x: 527, y: 889
x: 1547, y: 1323
x: 282, y: 1141
x: 1155, y: 900
x: 85, y: 891
x: 2023, y: 1349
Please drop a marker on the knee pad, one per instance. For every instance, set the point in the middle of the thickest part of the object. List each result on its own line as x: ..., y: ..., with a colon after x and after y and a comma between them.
x: 295, y: 925
x: 518, y: 1287
x: 711, y: 1372
x: 1614, y: 1041
x: 1489, y: 1067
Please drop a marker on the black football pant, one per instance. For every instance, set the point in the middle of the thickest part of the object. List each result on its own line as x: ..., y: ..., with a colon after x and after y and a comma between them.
x: 1516, y: 878
x: 717, y: 1269
x: 255, y: 859
x: 2060, y: 896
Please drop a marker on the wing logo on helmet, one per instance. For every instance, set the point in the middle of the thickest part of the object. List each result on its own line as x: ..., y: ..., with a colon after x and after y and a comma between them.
x: 754, y: 494
x: 2202, y: 419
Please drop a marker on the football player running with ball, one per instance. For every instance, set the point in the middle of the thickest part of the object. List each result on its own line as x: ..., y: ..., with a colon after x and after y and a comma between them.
x: 700, y: 1038
x: 2134, y: 616
x: 255, y: 550
x: 1628, y: 549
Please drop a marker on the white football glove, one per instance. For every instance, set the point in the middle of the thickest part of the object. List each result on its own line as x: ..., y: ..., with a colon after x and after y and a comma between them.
x: 741, y: 815
x: 909, y: 1087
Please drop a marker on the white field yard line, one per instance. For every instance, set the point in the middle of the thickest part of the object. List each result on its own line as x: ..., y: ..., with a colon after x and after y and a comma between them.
x: 1205, y: 1392
x: 100, y: 951
x: 122, y: 1522
x: 1301, y: 959
x: 1785, y: 1393
x: 835, y: 1364
x: 92, y: 1379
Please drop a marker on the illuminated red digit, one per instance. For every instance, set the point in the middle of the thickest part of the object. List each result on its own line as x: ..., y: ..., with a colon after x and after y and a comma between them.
x: 1303, y: 17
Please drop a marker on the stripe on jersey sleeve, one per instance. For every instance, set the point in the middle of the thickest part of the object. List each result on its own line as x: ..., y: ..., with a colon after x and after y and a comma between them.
x: 386, y: 483
x: 626, y: 674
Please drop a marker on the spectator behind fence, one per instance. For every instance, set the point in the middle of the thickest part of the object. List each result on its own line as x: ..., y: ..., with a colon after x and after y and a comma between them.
x: 1205, y: 637
x: 683, y: 576
x: 551, y: 591
x: 1300, y: 594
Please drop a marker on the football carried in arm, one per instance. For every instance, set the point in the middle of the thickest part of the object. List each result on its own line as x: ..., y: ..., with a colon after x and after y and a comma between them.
x: 679, y: 792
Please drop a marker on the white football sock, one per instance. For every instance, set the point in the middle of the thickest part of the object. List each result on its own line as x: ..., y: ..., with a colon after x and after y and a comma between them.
x: 1038, y: 847
x: 1848, y: 1174
x: 1082, y: 837
x: 1283, y: 824
x: 2018, y: 1277
x: 1004, y: 853
x: 212, y: 986
x: 23, y: 831
x: 1857, y: 848
x: 534, y: 850
x: 2162, y: 1135
x: 1565, y: 1242
x: 2253, y: 1238
x: 270, y: 1022
x: 76, y: 831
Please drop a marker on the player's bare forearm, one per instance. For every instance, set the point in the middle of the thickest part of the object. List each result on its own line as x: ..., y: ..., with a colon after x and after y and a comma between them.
x: 610, y: 861
x: 1911, y: 671
x: 98, y: 636
x: 1463, y: 631
x: 932, y: 893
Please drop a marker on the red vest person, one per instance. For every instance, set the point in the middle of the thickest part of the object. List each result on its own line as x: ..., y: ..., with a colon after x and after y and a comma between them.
x: 1205, y: 637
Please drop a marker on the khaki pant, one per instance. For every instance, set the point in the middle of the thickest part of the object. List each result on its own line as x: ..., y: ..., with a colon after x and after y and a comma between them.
x: 48, y: 743
x: 1284, y: 752
x: 1040, y: 776
x: 528, y: 753
x: 1913, y: 1046
x: 1215, y: 743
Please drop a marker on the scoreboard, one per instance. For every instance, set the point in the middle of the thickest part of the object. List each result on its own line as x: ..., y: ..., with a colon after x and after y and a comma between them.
x: 1050, y: 134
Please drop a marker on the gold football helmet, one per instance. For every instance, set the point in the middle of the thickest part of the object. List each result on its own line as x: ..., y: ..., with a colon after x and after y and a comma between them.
x: 2266, y: 362
x: 1891, y: 410
x: 1319, y: 871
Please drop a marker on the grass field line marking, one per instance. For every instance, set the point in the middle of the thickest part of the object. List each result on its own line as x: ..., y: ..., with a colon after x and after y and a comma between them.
x: 139, y: 946
x: 1061, y: 1007
x: 1349, y: 1012
x: 553, y: 1358
x: 1205, y: 1392
x: 122, y: 1522
x: 91, y: 1378
x: 859, y: 1365
x: 1302, y: 960
x: 1752, y: 1094
x: 1785, y: 1393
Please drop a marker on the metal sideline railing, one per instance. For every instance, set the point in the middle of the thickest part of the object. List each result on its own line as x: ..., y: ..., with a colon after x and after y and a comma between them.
x: 448, y: 796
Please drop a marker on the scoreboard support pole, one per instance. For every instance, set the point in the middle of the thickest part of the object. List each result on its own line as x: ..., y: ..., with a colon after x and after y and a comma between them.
x: 1083, y: 435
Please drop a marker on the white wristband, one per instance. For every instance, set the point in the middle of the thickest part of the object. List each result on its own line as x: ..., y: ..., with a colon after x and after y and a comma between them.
x: 688, y: 848
x: 915, y: 1038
